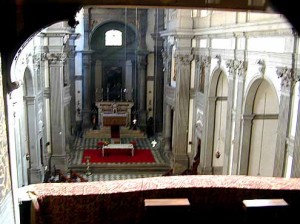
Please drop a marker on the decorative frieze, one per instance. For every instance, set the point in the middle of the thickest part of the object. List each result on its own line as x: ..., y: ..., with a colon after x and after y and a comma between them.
x: 55, y: 58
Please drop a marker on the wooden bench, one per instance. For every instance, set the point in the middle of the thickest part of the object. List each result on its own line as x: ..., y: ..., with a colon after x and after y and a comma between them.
x: 166, y: 210
x: 266, y: 211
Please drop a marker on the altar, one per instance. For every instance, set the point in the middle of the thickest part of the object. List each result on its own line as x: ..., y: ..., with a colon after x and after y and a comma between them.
x: 114, y: 113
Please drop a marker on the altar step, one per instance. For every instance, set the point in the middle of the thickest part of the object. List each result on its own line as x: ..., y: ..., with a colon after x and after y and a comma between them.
x: 158, y: 169
x: 105, y: 132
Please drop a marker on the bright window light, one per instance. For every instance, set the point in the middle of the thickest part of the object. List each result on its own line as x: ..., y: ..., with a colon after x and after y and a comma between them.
x: 113, y: 38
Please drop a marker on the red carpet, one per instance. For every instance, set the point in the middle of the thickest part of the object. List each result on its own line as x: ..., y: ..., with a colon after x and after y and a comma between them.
x: 119, y: 156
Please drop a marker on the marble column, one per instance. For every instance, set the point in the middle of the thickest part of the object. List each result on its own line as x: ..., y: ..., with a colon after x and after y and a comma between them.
x: 167, y: 123
x: 86, y: 71
x: 141, y: 73
x: 286, y: 76
x: 182, y: 99
x: 241, y: 74
x: 86, y: 88
x: 296, y: 153
x: 128, y: 81
x: 58, y: 132
x: 98, y: 81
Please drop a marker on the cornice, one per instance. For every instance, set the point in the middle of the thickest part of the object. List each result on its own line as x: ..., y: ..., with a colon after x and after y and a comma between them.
x: 266, y: 28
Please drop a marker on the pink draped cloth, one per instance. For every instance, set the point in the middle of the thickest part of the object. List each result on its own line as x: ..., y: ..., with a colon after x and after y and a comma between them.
x: 112, y: 201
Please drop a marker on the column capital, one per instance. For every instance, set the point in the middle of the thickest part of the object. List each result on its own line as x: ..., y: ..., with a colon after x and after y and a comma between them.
x: 231, y: 65
x: 56, y: 58
x: 206, y: 61
x: 165, y: 56
x: 286, y: 75
x: 37, y: 59
x: 184, y: 59
x: 241, y: 68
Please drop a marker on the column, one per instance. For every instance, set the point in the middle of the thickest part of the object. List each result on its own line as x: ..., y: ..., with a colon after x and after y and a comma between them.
x: 285, y: 74
x: 58, y: 132
x: 241, y: 71
x: 98, y: 81
x: 158, y: 74
x: 86, y: 88
x: 86, y: 72
x: 167, y: 122
x: 182, y: 99
x: 128, y: 81
x: 141, y: 98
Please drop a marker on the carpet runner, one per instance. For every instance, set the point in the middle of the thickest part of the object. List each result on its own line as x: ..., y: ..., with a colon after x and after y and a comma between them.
x: 118, y: 156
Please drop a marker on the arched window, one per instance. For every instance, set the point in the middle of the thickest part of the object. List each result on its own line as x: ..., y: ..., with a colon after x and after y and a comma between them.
x: 113, y: 38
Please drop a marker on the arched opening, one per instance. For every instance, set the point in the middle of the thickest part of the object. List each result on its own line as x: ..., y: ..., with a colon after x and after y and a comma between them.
x: 220, y: 122
x: 260, y: 129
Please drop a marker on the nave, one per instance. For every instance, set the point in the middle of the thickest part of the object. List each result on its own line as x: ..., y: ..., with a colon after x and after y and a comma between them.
x: 116, y: 170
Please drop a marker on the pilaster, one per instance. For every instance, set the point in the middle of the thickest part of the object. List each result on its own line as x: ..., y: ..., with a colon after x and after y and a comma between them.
x: 245, y: 147
x: 205, y: 63
x: 241, y: 75
x: 35, y: 170
x: 232, y: 66
x: 287, y: 81
x: 296, y: 152
x: 181, y: 120
x: 58, y: 132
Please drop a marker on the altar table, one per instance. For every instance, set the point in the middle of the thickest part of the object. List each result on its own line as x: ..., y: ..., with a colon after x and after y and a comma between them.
x: 119, y: 147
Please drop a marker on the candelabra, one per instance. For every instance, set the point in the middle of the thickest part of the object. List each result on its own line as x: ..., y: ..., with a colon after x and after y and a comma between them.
x: 88, y: 171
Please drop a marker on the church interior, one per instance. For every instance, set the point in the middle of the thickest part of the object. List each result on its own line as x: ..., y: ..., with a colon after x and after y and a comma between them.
x: 106, y: 109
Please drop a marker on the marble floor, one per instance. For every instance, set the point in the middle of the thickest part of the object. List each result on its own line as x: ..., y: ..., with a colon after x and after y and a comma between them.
x: 117, y: 171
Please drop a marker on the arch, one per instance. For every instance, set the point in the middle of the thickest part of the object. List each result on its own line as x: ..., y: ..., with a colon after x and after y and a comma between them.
x: 260, y: 122
x: 97, y: 37
x: 215, y: 123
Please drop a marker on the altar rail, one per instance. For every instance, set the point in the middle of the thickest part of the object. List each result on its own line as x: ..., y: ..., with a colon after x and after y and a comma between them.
x: 215, y: 198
